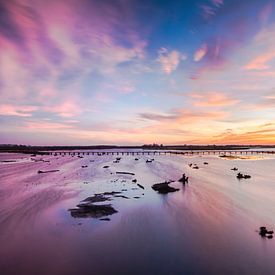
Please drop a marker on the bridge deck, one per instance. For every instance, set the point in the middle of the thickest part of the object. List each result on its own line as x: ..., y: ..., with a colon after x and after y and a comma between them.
x: 210, y: 152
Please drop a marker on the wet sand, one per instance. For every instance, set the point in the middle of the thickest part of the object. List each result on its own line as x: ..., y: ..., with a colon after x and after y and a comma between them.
x: 209, y: 226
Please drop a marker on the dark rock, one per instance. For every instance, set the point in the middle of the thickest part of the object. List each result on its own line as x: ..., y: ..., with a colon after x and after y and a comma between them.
x: 164, y: 188
x: 111, y: 193
x: 125, y: 173
x: 183, y: 179
x: 49, y: 171
x: 97, y: 198
x: 121, y: 196
x: 136, y: 197
x: 190, y: 164
x: 242, y: 176
x: 195, y: 167
x: 106, y: 166
x: 105, y: 219
x: 205, y: 163
x: 140, y: 186
x: 92, y: 210
x: 134, y: 180
x: 136, y: 158
x: 266, y: 233
x: 234, y: 169
x: 84, y: 166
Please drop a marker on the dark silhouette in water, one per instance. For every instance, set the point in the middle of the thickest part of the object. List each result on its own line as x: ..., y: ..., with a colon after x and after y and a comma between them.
x: 49, y: 171
x: 141, y: 186
x: 242, y: 176
x: 266, y: 233
x: 164, y: 188
x: 87, y: 209
x: 183, y: 179
x: 125, y: 173
x: 91, y: 210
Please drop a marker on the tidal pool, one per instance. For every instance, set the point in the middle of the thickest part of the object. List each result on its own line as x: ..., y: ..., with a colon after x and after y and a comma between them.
x: 209, y: 226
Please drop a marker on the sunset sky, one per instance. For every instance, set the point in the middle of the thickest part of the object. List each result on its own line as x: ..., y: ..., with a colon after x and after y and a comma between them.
x: 133, y: 71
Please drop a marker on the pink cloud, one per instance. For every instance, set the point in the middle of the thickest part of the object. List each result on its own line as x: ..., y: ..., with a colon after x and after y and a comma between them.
x: 13, y: 110
x: 212, y: 99
x: 261, y: 61
x: 66, y: 109
x: 169, y: 61
x: 200, y: 53
x: 46, y: 126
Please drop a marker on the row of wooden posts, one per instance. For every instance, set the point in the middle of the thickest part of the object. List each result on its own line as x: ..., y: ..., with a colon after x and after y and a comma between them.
x: 210, y: 152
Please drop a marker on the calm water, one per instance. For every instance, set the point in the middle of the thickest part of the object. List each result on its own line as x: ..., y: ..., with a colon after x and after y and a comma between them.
x: 207, y: 227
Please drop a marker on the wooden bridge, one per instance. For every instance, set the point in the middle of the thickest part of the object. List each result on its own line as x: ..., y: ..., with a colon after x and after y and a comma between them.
x: 151, y: 153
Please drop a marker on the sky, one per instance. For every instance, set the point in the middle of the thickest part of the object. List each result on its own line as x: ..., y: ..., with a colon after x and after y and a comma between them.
x: 86, y: 72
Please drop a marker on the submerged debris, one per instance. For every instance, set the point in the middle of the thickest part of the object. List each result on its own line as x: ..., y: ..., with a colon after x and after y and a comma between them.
x: 266, y: 233
x: 125, y: 173
x: 183, y: 179
x: 88, y: 209
x: 97, y: 198
x: 164, y: 188
x: 121, y: 196
x: 91, y: 210
x: 242, y: 176
x: 49, y: 171
x: 139, y: 185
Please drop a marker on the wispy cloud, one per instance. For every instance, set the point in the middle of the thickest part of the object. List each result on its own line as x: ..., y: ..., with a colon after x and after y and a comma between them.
x: 212, y: 99
x: 200, y: 52
x: 169, y: 61
x: 17, y: 110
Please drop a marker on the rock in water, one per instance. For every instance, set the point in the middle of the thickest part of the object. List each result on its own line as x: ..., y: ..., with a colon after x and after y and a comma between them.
x: 164, y: 188
x: 92, y: 210
x: 139, y: 185
x: 125, y: 173
x: 49, y: 171
x: 266, y: 233
x: 242, y: 176
x: 183, y: 179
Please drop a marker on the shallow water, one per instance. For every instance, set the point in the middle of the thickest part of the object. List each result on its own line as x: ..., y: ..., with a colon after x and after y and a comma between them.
x: 208, y: 227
